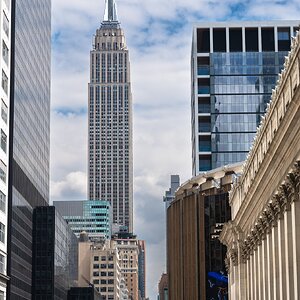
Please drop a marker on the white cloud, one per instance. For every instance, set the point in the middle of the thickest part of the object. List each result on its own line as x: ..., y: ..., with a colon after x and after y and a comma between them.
x: 159, y: 38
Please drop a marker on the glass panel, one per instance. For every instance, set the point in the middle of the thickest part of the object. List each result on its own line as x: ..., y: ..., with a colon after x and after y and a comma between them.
x: 5, y: 52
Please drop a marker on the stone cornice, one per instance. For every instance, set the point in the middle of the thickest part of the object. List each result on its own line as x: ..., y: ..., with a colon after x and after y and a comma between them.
x: 285, y: 195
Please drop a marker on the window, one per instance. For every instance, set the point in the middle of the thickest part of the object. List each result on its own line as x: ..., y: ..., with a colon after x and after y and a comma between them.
x: 235, y: 39
x: 2, y: 265
x: 5, y: 52
x: 219, y: 39
x: 2, y: 233
x: 267, y: 35
x: 2, y: 201
x: 3, y: 141
x: 4, y: 111
x: 4, y: 82
x: 3, y: 171
x: 203, y: 40
x: 5, y: 24
x: 251, y: 35
x: 284, y: 39
x: 96, y: 258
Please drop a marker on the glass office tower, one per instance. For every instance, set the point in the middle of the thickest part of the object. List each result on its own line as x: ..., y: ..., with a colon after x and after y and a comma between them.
x: 235, y: 66
x: 55, y: 255
x: 29, y: 134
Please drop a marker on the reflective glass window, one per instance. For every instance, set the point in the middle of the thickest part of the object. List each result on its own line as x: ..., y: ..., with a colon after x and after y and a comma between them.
x: 284, y: 39
x: 4, y: 82
x: 5, y: 52
x: 3, y: 141
x: 4, y: 111
x: 2, y: 233
x: 3, y: 170
x: 2, y: 201
x: 5, y: 24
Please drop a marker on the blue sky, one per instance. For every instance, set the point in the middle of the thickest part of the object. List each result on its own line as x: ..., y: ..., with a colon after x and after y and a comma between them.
x: 159, y: 36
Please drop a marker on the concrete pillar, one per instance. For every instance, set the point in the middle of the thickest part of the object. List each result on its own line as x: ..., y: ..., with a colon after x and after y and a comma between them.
x: 281, y: 261
x: 248, y: 287
x: 252, y: 276
x: 265, y: 274
x: 275, y: 262
x: 270, y: 282
x: 255, y: 275
x: 259, y: 272
x: 295, y: 209
x: 288, y: 233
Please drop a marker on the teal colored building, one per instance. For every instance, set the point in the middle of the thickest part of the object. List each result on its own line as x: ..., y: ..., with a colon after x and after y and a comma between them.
x: 93, y: 217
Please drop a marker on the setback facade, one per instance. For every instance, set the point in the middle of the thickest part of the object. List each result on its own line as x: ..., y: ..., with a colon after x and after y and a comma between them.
x: 28, y: 175
x: 234, y: 69
x: 110, y: 120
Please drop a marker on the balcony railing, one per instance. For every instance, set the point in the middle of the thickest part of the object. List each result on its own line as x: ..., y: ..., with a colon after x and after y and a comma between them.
x: 203, y: 90
x: 203, y: 70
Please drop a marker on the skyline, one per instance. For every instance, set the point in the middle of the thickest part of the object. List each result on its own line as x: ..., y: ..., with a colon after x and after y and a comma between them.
x: 168, y: 151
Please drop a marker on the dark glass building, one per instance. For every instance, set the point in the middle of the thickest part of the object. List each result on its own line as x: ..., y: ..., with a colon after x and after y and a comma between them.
x: 55, y: 255
x: 235, y: 66
x: 84, y: 293
x: 29, y: 134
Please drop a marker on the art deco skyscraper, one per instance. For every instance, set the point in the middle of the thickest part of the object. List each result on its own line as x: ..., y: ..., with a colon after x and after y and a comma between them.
x: 110, y: 119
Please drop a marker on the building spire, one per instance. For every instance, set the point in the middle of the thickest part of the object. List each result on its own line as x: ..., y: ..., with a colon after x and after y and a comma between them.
x: 110, y: 14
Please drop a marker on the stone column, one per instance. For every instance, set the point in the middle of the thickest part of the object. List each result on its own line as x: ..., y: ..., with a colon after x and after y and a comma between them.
x: 295, y: 209
x: 270, y: 282
x: 275, y: 262
x: 281, y: 261
x: 289, y: 254
x: 265, y: 274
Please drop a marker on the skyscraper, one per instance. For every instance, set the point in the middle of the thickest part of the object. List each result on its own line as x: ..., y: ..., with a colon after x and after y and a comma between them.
x: 29, y: 134
x: 5, y: 63
x: 110, y: 119
x: 234, y: 69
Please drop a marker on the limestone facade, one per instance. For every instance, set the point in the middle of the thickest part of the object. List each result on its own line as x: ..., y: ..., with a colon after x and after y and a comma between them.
x: 263, y: 257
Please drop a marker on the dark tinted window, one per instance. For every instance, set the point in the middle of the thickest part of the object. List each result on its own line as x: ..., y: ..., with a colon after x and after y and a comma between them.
x: 219, y: 40
x: 267, y: 36
x: 284, y: 39
x: 235, y: 40
x: 203, y: 41
x: 251, y: 35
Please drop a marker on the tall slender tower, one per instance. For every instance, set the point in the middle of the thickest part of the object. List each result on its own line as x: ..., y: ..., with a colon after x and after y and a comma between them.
x: 110, y: 119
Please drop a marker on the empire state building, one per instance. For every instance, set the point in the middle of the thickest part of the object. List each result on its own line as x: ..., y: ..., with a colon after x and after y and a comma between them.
x: 110, y: 120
